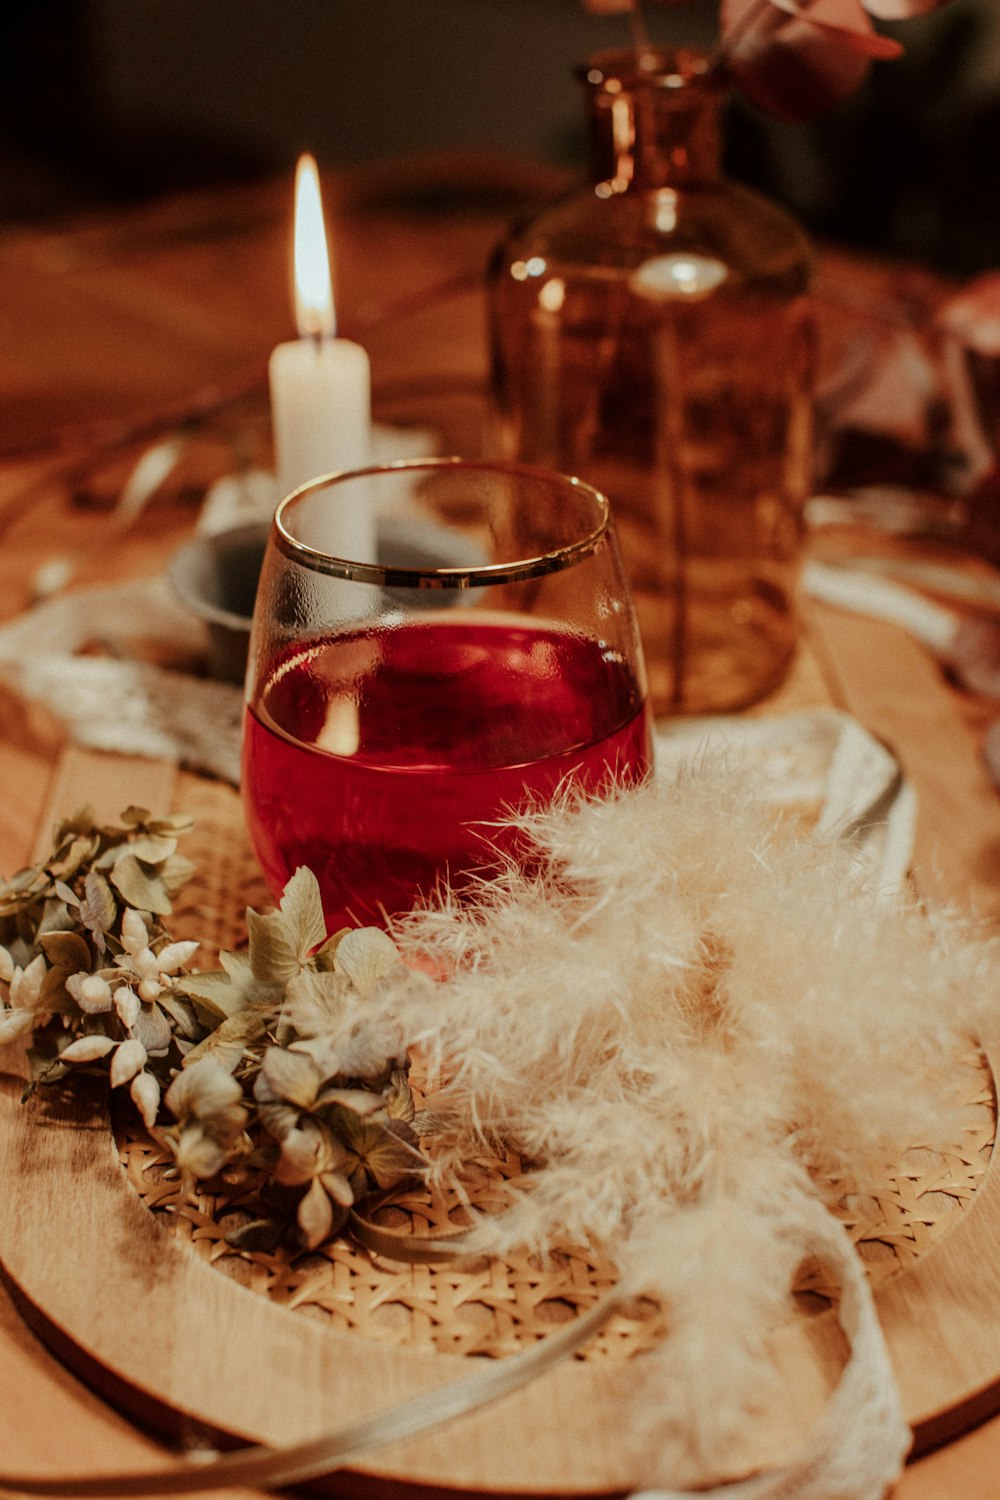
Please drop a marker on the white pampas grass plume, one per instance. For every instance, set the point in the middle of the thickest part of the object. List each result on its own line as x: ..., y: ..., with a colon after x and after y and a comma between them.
x: 687, y: 1016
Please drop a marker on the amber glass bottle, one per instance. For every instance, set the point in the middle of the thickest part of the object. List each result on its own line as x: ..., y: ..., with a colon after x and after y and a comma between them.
x: 652, y: 333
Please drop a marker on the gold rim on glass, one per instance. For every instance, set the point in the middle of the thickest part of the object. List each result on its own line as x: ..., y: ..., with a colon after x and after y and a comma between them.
x: 477, y: 576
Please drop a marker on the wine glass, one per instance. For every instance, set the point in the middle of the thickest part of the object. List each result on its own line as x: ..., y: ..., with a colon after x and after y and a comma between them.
x: 435, y: 644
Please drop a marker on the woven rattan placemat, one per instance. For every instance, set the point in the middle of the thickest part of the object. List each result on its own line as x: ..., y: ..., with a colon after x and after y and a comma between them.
x: 483, y: 1306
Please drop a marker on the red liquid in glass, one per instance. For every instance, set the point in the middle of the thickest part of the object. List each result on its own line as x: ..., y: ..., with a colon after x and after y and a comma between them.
x: 379, y: 759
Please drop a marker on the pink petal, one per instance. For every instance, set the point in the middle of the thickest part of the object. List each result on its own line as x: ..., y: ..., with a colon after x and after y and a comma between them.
x: 796, y: 58
x: 619, y: 7
x: 743, y: 20
x: 849, y: 17
x: 622, y: 7
x: 798, y: 73
x: 735, y: 15
x: 901, y: 10
x: 868, y: 43
x: 973, y: 315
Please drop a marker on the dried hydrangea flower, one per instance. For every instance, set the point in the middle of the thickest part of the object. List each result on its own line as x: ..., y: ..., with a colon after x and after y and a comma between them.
x: 207, y: 1103
x: 149, y: 976
x: 20, y: 1014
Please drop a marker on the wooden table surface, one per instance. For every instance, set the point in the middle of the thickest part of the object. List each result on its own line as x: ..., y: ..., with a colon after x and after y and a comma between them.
x: 117, y: 329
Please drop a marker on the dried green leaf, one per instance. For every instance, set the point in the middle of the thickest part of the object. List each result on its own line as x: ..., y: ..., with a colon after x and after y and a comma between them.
x: 203, y: 1088
x: 198, y: 1155
x: 175, y: 872
x: 173, y: 956
x: 26, y: 983
x: 66, y: 950
x: 316, y: 1004
x: 81, y: 821
x: 325, y: 957
x: 58, y: 916
x: 129, y: 1059
x: 107, y: 859
x: 15, y: 1023
x: 43, y: 1061
x: 278, y: 1119
x: 141, y: 886
x: 237, y: 966
x: 324, y: 1053
x: 155, y: 848
x: 338, y: 1188
x: 366, y: 955
x: 174, y: 823
x: 135, y: 817
x: 381, y: 1149
x: 98, y: 908
x: 260, y: 1235
x: 281, y: 941
x: 274, y: 953
x: 181, y: 1013
x: 20, y: 882
x: 358, y: 1101
x: 315, y: 1215
x: 91, y: 992
x: 231, y: 1038
x: 291, y: 1076
x: 301, y: 907
x: 214, y: 995
x: 87, y: 1049
x: 71, y: 857
x: 53, y: 996
x: 153, y: 1030
x: 264, y: 1157
x: 134, y: 932
x: 145, y: 1092
x: 305, y: 1152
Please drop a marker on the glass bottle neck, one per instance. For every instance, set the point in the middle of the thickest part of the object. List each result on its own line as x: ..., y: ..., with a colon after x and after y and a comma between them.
x: 656, y: 125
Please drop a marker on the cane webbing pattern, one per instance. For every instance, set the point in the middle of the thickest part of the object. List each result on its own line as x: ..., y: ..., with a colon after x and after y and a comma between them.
x: 483, y: 1306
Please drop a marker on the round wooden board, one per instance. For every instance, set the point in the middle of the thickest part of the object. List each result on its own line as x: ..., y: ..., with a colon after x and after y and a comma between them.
x: 189, y: 1352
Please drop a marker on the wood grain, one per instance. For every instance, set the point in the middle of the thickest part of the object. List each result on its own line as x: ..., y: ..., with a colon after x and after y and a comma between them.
x: 895, y: 688
x: 107, y: 784
x: 185, y: 1350
x: 111, y: 319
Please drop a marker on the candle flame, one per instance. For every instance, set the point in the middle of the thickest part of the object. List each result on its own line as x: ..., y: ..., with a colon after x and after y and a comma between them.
x: 314, y: 315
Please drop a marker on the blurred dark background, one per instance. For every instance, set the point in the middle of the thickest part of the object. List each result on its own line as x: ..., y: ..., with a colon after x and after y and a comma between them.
x: 118, y: 100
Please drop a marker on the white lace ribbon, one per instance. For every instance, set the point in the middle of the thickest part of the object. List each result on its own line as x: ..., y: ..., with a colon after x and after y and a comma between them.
x: 111, y: 702
x: 855, y: 1452
x: 859, y: 1445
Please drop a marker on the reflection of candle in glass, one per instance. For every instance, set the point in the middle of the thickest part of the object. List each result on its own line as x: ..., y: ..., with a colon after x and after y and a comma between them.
x: 672, y: 281
x: 682, y: 277
x: 321, y: 385
x: 547, y: 321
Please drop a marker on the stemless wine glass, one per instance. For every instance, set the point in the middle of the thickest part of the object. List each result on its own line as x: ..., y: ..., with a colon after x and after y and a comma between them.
x: 399, y: 709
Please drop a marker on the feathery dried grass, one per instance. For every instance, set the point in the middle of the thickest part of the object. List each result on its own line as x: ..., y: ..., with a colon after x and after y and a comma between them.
x: 688, y: 1017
